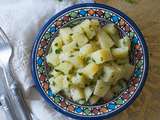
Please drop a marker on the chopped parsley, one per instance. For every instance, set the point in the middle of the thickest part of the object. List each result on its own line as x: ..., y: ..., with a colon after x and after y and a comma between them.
x: 76, y: 49
x: 77, y: 45
x: 71, y: 56
x: 93, y: 60
x: 101, y: 58
x: 58, y: 51
x: 80, y: 74
x: 59, y: 71
x: 87, y: 60
x: 56, y: 44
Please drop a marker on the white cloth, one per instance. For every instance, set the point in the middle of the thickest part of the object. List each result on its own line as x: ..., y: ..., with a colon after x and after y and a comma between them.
x: 21, y: 20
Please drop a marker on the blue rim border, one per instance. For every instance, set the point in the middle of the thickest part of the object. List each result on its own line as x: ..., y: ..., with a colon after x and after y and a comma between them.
x: 145, y: 55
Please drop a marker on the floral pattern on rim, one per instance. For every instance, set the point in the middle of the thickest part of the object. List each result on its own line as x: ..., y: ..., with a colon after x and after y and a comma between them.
x: 46, y: 40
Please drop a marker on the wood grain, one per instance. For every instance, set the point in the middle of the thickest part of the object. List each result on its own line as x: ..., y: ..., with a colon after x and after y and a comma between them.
x: 146, y: 14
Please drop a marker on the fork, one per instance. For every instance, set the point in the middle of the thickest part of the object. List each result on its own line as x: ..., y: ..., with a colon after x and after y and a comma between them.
x: 13, y: 88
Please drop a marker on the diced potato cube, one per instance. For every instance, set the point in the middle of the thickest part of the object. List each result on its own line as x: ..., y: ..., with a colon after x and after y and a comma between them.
x: 65, y: 34
x: 77, y: 93
x: 124, y: 42
x: 88, y: 92
x: 101, y: 88
x: 95, y: 24
x: 65, y: 67
x: 64, y: 56
x: 57, y: 43
x: 109, y: 74
x: 82, y: 101
x: 90, y: 70
x: 66, y: 82
x: 77, y: 61
x: 101, y: 56
x: 112, y: 31
x: 86, y: 49
x: 79, y: 80
x: 55, y: 73
x: 95, y: 45
x: 80, y: 39
x: 73, y: 58
x: 56, y: 84
x: 77, y: 30
x: 119, y: 72
x: 86, y: 28
x: 53, y: 59
x: 71, y: 47
x: 67, y: 93
x: 94, y: 99
x: 120, y: 53
x: 104, y: 39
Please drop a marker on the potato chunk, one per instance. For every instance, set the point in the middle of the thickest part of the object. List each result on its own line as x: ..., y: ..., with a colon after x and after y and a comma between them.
x: 77, y: 61
x: 86, y: 49
x: 56, y: 83
x: 77, y: 30
x: 66, y: 82
x: 112, y: 31
x: 86, y: 27
x: 101, y: 88
x: 55, y: 73
x: 79, y: 80
x: 65, y: 34
x: 73, y: 58
x: 124, y: 42
x: 65, y: 67
x: 77, y: 93
x: 95, y: 24
x: 57, y: 42
x: 104, y: 39
x: 120, y: 53
x: 119, y: 69
x: 80, y: 39
x: 90, y: 70
x: 53, y: 59
x: 109, y: 74
x: 88, y: 92
x: 71, y: 47
x: 101, y: 56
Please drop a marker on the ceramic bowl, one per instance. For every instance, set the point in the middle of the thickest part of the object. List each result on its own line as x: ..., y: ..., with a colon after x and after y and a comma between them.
x: 70, y: 17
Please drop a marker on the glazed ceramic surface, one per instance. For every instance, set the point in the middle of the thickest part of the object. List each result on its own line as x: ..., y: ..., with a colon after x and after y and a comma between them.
x: 71, y: 17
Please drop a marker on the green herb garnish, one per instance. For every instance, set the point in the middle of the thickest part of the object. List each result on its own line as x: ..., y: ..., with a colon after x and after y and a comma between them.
x: 58, y: 51
x: 59, y: 71
x: 77, y: 45
x: 71, y: 56
x: 80, y: 74
x: 93, y: 60
x: 56, y: 44
x: 76, y: 49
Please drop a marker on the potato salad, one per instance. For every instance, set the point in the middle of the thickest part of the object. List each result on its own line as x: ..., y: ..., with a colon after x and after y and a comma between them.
x: 89, y: 62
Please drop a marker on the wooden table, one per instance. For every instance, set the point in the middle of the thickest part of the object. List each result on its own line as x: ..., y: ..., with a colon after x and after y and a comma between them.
x: 146, y: 14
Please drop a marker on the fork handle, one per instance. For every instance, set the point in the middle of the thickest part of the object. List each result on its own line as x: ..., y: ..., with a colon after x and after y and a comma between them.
x: 10, y: 115
x: 19, y: 102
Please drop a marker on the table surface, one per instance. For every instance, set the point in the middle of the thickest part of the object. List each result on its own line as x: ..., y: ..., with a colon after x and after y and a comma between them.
x: 146, y: 14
